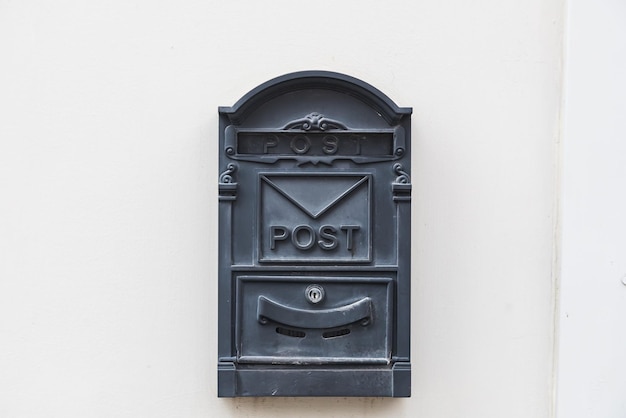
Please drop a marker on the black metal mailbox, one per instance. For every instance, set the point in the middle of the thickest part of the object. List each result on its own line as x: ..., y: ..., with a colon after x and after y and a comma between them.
x: 314, y: 259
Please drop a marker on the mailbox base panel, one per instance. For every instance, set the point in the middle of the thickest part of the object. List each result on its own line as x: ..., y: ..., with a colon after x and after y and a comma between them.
x: 390, y: 381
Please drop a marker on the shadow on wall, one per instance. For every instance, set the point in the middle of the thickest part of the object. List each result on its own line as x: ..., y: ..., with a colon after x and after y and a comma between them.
x: 314, y: 406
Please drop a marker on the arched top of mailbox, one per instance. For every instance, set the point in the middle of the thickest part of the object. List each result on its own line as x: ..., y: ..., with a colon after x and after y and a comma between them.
x: 311, y: 80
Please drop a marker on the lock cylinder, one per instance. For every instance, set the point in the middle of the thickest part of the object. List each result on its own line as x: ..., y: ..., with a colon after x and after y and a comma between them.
x: 314, y: 293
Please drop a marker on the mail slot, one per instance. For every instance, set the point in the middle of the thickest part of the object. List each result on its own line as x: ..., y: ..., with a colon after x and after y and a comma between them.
x: 314, y: 240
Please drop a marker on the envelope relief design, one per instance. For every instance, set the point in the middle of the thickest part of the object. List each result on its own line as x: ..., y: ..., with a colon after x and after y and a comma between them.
x: 315, y: 217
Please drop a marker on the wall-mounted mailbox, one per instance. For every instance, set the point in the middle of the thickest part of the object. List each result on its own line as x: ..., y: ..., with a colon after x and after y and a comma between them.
x: 314, y: 216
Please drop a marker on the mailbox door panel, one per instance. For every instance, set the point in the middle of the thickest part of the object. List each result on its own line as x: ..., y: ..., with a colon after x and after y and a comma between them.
x: 278, y: 323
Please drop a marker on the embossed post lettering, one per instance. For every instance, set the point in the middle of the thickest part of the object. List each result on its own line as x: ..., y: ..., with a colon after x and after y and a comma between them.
x: 300, y: 144
x: 328, y: 239
x: 277, y: 233
x: 304, y: 237
x: 349, y: 230
x: 331, y: 144
x: 296, y: 237
x: 270, y: 142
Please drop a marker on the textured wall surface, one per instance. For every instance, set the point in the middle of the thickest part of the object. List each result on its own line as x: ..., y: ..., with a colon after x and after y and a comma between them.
x: 108, y: 181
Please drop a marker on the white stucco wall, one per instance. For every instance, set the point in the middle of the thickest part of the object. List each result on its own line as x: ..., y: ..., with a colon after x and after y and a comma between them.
x: 592, y: 365
x: 108, y: 180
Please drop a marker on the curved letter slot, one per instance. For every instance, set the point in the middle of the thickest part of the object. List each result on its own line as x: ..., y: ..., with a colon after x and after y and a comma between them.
x: 360, y: 310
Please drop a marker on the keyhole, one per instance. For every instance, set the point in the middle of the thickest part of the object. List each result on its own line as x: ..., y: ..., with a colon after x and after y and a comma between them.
x: 314, y: 293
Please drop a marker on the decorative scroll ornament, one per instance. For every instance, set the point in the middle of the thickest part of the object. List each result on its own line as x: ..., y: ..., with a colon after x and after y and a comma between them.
x: 226, y: 176
x: 227, y: 186
x: 315, y: 122
x: 401, y: 186
x: 403, y: 176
